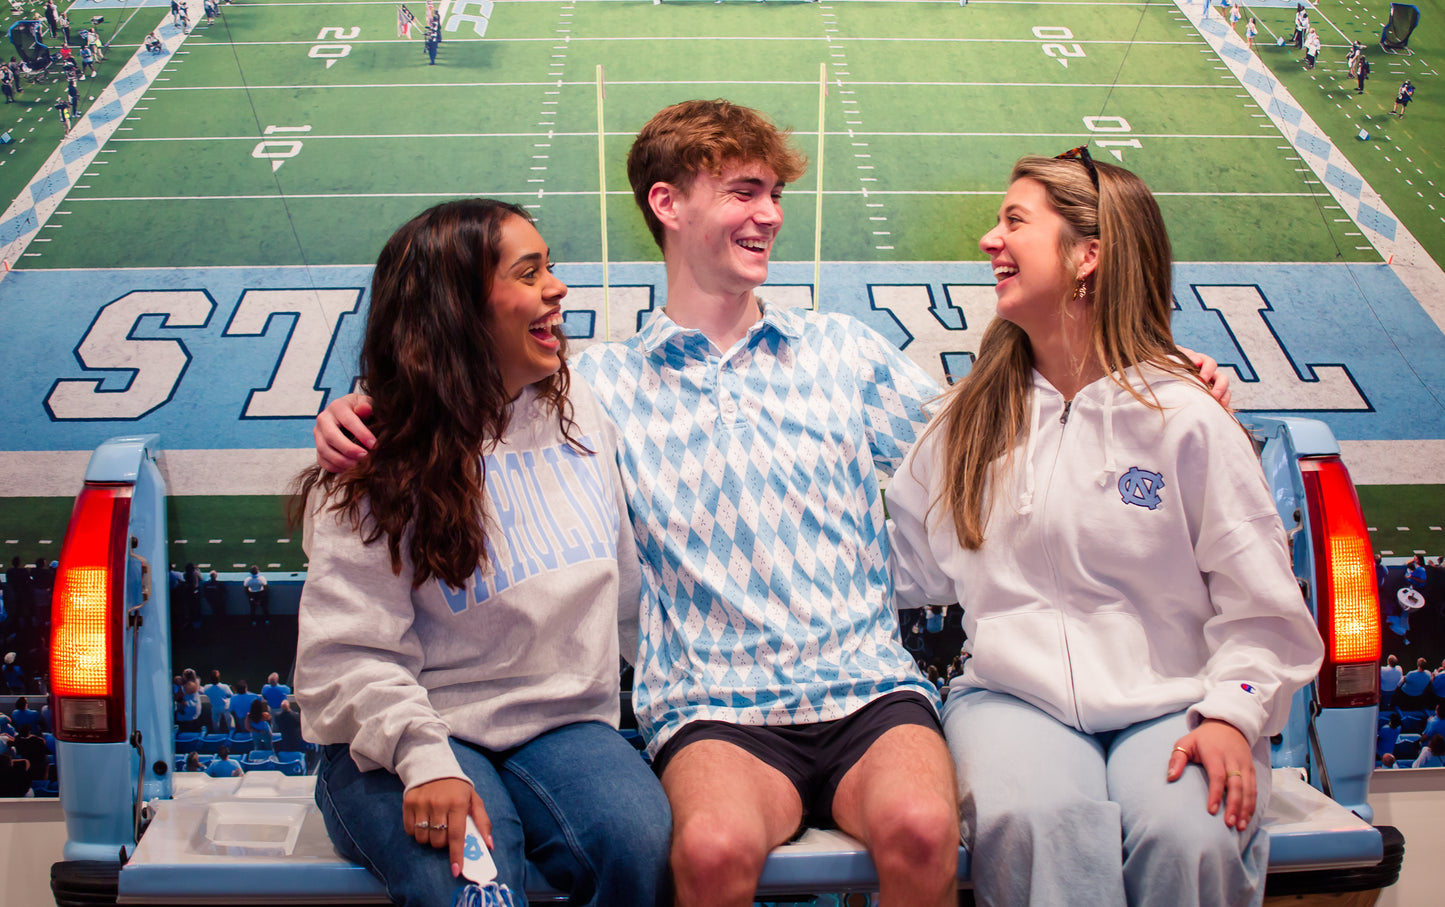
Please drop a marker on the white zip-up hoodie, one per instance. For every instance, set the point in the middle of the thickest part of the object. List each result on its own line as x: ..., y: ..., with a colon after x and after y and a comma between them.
x: 1134, y: 565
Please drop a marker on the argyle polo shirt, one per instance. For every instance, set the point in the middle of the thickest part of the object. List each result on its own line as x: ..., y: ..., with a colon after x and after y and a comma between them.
x: 751, y: 476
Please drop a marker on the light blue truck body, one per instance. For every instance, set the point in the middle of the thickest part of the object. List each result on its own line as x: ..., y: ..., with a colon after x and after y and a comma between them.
x: 194, y: 846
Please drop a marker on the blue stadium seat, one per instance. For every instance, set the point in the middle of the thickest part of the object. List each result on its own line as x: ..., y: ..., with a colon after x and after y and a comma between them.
x: 1407, y: 747
x: 190, y: 742
x: 259, y: 761
x: 240, y: 744
x: 210, y: 743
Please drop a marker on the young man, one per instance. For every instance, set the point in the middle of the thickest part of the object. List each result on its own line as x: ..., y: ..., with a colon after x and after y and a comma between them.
x: 772, y: 683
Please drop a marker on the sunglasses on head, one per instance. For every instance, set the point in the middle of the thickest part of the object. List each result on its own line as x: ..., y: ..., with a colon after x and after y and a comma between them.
x: 1081, y: 154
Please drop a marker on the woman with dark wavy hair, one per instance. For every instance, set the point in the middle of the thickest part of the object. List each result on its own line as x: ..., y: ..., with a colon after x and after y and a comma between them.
x: 458, y: 641
x: 1134, y: 629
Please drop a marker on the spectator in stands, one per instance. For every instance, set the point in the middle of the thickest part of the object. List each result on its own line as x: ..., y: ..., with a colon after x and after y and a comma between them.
x: 1415, y: 573
x: 439, y: 691
x: 1186, y: 633
x: 193, y: 762
x: 275, y: 692
x: 1388, y: 735
x: 222, y: 766
x: 258, y: 723
x: 1413, y: 687
x: 1433, y: 755
x: 19, y: 600
x: 190, y: 596
x: 14, y: 674
x: 1381, y: 571
x: 1390, y: 677
x: 257, y: 596
x: 933, y: 620
x: 220, y: 696
x: 1437, y: 683
x: 241, y: 701
x: 214, y: 593
x: 1436, y: 724
x: 33, y: 750
x: 24, y: 716
x: 288, y: 725
x: 14, y: 776
x: 42, y: 581
x: 7, y: 730
x: 1387, y: 760
x: 188, y: 702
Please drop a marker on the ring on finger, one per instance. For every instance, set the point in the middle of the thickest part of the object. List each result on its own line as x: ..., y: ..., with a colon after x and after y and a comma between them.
x: 422, y: 825
x: 440, y: 826
x: 1180, y: 749
x: 1234, y: 773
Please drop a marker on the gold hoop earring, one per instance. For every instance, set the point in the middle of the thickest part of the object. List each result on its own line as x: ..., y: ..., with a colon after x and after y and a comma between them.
x: 1080, y: 291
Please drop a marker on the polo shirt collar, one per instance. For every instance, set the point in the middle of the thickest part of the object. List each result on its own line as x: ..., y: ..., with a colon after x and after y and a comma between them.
x: 659, y: 329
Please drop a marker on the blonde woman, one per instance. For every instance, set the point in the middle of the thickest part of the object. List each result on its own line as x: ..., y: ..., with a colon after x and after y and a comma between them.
x: 1134, y: 628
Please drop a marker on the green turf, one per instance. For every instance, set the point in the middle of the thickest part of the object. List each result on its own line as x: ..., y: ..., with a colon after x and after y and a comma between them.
x: 1415, y: 507
x: 32, y: 527
x: 229, y: 533
x: 945, y: 100
x: 1397, y: 148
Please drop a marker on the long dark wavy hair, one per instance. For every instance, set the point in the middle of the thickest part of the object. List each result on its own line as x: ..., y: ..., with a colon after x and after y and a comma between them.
x: 429, y: 362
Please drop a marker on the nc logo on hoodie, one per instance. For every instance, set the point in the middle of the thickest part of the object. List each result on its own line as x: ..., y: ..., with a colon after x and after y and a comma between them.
x: 1141, y: 487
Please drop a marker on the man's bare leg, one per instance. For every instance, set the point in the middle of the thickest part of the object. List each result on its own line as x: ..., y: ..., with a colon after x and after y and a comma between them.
x: 901, y: 800
x: 729, y: 809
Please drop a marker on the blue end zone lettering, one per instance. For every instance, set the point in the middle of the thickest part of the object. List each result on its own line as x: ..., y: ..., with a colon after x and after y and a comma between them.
x: 199, y: 356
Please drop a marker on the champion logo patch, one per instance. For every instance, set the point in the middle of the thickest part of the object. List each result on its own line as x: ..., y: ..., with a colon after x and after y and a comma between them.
x: 1247, y: 687
x: 1141, y: 487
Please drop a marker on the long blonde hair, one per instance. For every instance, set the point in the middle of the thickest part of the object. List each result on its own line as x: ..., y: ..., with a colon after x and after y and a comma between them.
x: 984, y: 417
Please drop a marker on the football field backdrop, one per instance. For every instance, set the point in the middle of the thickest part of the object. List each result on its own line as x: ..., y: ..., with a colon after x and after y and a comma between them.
x: 193, y: 260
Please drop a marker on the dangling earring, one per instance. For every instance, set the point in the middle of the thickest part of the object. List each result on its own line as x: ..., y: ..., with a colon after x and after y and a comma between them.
x: 1080, y: 291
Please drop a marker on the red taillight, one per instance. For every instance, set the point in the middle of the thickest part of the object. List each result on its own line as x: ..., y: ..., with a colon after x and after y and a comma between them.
x: 1347, y: 598
x: 87, y: 619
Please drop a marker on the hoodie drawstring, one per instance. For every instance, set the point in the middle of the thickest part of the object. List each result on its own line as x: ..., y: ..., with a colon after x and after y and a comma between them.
x: 1026, y: 501
x: 1107, y: 473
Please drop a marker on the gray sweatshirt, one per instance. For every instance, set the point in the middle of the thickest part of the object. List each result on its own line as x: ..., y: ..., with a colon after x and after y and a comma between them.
x: 529, y: 645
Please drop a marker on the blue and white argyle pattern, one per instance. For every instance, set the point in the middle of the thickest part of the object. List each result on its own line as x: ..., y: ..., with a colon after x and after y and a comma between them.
x: 752, y: 480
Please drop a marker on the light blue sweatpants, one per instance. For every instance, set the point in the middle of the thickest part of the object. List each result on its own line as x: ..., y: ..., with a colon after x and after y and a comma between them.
x: 1052, y: 815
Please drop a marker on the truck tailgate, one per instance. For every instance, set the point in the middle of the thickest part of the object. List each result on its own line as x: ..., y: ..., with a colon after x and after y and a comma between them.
x: 260, y: 839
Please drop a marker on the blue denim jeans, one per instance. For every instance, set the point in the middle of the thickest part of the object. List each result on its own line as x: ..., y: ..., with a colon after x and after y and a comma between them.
x: 577, y: 803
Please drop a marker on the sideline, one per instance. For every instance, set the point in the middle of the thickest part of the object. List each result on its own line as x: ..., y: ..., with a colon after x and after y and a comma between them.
x: 1403, y: 253
x: 32, y: 208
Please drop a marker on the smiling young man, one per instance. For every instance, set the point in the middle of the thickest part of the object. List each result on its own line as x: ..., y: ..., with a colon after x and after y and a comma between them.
x: 772, y: 683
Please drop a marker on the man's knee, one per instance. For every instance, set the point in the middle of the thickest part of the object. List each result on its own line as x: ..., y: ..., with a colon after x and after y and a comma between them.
x: 918, y: 836
x: 710, y: 854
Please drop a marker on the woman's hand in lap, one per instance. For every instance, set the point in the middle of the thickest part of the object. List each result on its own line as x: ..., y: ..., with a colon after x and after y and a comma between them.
x: 1225, y: 755
x: 445, y: 802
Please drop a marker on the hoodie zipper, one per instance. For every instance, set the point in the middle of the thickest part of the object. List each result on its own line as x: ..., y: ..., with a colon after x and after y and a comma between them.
x: 1072, y: 706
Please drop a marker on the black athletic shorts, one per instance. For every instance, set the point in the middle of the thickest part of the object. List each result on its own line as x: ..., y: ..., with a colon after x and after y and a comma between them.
x: 814, y: 757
